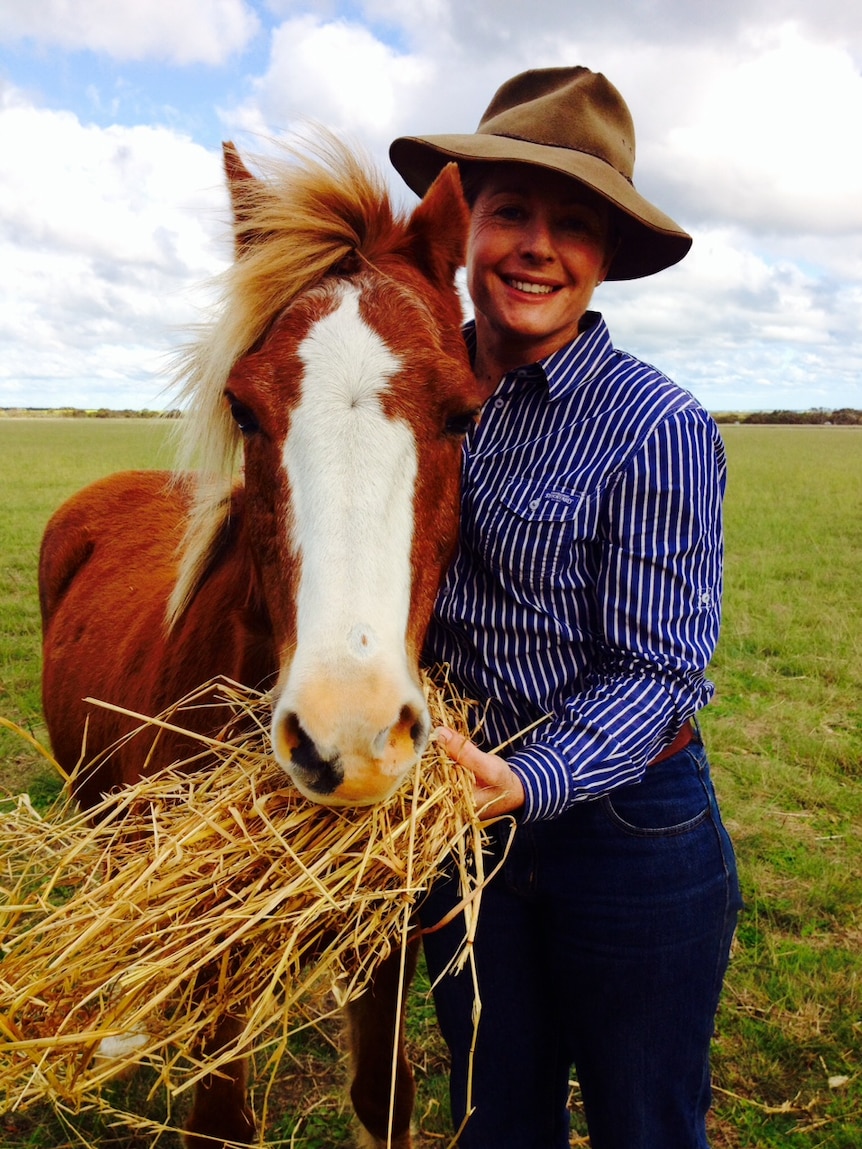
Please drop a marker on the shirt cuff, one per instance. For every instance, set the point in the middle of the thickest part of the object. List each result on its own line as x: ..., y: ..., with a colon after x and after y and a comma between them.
x: 547, y: 781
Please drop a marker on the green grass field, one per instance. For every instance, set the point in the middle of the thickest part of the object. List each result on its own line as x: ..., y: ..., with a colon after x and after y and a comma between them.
x: 785, y: 736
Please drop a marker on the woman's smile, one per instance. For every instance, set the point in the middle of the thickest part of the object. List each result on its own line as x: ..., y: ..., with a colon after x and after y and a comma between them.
x: 531, y: 288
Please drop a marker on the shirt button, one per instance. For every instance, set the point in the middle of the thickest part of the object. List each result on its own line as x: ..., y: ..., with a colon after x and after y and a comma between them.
x: 498, y: 403
x: 534, y: 505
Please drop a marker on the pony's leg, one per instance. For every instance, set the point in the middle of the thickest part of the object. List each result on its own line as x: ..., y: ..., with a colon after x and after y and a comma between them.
x: 375, y: 1025
x: 221, y: 1115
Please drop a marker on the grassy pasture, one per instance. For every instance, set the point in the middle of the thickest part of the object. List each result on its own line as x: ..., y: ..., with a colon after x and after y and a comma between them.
x: 785, y: 735
x: 42, y: 462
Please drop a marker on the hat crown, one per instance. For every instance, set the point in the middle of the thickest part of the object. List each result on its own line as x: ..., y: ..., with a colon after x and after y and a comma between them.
x: 569, y: 120
x: 572, y: 108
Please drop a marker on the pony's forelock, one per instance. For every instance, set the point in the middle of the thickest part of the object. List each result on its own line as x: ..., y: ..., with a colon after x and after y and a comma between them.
x: 316, y: 202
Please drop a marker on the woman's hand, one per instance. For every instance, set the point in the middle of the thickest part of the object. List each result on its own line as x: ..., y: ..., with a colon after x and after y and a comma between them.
x: 497, y: 790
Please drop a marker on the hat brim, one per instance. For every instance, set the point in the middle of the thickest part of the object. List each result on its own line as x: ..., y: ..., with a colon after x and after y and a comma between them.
x: 649, y: 240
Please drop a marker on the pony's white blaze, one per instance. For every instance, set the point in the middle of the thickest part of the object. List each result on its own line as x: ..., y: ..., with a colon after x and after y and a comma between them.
x: 350, y: 718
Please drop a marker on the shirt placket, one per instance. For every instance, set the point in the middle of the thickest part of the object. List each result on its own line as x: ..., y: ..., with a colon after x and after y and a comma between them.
x: 496, y: 430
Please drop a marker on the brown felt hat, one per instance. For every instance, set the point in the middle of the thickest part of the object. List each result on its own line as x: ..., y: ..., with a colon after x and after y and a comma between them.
x: 570, y: 120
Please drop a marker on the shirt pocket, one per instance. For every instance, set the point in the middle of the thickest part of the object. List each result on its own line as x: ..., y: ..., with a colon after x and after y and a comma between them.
x: 532, y: 534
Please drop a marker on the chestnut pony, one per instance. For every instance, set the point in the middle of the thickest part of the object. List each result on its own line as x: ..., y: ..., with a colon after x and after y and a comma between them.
x: 336, y: 368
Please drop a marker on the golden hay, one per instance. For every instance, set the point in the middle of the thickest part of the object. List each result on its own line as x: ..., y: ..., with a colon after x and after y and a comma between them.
x: 193, y: 896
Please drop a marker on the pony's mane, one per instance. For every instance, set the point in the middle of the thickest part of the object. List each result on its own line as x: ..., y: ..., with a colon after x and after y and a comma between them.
x: 316, y: 204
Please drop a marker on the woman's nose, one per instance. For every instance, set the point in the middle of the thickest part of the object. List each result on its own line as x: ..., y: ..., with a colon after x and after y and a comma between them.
x: 536, y: 240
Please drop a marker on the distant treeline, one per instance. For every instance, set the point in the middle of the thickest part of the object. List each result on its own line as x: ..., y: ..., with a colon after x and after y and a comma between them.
x: 81, y: 413
x: 816, y: 416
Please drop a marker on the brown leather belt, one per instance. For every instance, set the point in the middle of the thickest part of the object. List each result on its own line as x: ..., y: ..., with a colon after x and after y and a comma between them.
x: 682, y: 740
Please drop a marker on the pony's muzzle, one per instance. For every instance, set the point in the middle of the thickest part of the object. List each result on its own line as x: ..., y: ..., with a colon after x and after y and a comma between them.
x: 337, y: 759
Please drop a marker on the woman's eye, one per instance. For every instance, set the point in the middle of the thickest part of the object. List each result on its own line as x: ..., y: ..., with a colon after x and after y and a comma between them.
x: 242, y: 415
x: 583, y: 225
x: 579, y: 225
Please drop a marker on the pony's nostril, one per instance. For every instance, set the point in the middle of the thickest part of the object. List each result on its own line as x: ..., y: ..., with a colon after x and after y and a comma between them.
x: 407, y: 736
x: 287, y: 736
x: 319, y: 775
x: 417, y: 726
x: 295, y: 744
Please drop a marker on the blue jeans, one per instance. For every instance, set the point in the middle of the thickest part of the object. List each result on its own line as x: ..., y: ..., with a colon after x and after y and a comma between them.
x: 602, y: 944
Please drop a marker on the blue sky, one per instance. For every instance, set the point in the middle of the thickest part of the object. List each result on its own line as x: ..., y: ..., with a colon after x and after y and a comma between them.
x: 113, y: 213
x: 102, y: 90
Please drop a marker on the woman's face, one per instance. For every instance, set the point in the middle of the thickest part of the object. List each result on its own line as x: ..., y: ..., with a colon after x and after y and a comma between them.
x: 538, y: 245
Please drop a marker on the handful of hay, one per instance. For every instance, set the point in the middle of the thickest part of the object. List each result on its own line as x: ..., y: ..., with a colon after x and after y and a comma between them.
x: 128, y: 932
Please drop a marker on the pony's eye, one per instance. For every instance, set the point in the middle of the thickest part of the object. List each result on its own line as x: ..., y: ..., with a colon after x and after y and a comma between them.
x: 242, y: 415
x: 460, y: 423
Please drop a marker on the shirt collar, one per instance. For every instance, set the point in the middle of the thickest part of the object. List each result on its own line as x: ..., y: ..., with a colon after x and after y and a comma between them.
x: 569, y: 367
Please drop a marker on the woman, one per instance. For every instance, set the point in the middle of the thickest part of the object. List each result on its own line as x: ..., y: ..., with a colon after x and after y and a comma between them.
x: 584, y: 602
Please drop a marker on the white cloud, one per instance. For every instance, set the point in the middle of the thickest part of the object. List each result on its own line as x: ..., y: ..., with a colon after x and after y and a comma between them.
x: 434, y: 16
x: 181, y: 31
x: 771, y: 140
x: 742, y: 330
x: 336, y: 73
x: 102, y: 233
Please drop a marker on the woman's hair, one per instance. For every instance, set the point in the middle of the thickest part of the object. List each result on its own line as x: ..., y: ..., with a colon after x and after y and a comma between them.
x: 472, y: 178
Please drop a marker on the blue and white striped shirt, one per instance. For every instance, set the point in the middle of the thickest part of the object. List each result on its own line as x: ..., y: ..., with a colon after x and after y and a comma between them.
x: 587, y: 581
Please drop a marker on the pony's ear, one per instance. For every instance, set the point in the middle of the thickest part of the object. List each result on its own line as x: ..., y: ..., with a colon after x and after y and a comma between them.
x: 438, y: 228
x: 244, y: 192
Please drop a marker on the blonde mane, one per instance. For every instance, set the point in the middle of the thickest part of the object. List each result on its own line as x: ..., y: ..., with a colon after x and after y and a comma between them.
x: 315, y: 205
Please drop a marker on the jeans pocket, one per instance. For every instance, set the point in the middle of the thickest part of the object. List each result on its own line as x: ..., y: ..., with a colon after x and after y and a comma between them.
x: 672, y: 798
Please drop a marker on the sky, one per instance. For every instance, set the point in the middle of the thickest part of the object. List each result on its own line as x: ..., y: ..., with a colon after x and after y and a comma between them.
x: 114, y: 218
